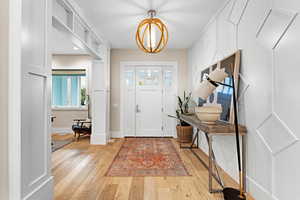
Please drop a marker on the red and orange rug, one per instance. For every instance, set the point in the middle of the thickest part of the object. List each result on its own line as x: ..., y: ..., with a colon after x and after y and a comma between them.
x: 147, y: 157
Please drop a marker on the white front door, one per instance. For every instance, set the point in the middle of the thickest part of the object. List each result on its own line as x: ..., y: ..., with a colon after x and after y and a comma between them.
x: 149, y: 95
x: 149, y: 102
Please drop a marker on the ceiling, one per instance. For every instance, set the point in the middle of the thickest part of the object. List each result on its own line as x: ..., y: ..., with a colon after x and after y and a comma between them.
x: 117, y: 20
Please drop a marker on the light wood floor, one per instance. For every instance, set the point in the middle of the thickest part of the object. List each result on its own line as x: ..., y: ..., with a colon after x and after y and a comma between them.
x: 56, y: 136
x: 79, y: 169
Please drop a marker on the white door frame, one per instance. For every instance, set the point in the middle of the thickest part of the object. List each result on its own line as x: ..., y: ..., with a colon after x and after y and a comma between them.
x: 14, y: 99
x: 174, y: 65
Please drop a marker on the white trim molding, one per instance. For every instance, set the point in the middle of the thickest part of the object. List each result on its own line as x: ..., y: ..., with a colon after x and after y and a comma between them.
x: 259, y: 191
x: 14, y: 99
x: 44, y: 191
x: 99, y: 139
x: 116, y: 134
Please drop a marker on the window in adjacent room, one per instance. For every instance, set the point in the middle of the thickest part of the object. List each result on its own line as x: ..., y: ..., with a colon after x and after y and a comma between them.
x: 69, y: 88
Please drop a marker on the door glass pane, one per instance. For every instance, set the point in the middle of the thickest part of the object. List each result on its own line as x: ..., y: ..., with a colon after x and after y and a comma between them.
x: 168, y: 79
x: 129, y: 79
x: 148, y: 77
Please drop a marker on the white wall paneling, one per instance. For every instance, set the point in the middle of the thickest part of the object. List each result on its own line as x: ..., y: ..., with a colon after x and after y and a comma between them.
x: 266, y: 32
x: 36, y: 179
x: 237, y: 11
x: 100, y: 101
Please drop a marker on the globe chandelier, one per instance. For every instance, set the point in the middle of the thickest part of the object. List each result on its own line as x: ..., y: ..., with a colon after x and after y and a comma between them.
x: 152, y: 34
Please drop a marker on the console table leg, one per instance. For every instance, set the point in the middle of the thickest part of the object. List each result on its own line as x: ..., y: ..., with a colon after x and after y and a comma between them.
x: 244, y: 162
x: 194, y: 139
x: 197, y: 138
x: 210, y: 164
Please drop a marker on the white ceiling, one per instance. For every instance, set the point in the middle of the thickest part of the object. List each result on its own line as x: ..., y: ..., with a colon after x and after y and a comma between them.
x: 117, y: 20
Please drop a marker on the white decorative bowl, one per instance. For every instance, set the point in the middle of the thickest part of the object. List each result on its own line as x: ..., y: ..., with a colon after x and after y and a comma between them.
x: 209, y: 114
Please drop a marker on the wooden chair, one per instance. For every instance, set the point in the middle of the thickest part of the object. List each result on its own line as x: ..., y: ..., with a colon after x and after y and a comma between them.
x: 81, y: 127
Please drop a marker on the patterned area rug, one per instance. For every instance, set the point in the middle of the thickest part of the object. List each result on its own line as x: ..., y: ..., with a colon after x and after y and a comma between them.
x: 147, y: 157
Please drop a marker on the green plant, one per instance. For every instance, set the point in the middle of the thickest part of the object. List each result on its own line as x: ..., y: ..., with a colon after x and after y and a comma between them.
x: 83, y: 96
x: 183, y: 107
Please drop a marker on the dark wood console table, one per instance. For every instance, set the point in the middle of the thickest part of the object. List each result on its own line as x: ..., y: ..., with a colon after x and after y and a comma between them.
x: 220, y: 128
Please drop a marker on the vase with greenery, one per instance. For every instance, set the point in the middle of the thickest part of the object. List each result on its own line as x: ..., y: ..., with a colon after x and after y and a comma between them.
x: 184, y: 130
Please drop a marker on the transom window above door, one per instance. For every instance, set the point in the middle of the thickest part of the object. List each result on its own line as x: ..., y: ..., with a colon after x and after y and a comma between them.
x: 69, y: 88
x: 148, y: 77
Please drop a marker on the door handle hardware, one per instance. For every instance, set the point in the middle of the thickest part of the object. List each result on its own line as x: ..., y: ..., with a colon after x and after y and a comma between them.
x: 137, y: 109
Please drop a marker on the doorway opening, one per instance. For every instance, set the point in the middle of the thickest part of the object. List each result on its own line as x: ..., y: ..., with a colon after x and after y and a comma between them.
x: 70, y: 96
x: 148, y: 96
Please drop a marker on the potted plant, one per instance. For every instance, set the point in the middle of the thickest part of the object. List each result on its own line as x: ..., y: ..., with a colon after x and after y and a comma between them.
x: 184, y: 130
x: 83, y: 96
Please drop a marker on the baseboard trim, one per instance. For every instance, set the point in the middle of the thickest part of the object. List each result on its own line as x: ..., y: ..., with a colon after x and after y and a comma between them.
x: 98, y: 139
x: 252, y: 186
x: 44, y: 191
x: 204, y: 157
x: 62, y: 131
x: 116, y: 134
x: 259, y: 190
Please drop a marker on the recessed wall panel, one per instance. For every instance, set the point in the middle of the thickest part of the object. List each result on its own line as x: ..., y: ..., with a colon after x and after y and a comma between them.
x: 286, y: 77
x: 275, y: 134
x: 273, y: 27
x: 237, y: 11
x: 33, y: 33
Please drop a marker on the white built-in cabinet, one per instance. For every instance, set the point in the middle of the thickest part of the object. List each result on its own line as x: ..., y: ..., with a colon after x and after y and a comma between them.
x: 36, y: 179
x: 66, y: 18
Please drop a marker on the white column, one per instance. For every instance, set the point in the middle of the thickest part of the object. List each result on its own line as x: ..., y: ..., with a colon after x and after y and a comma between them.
x: 100, y: 100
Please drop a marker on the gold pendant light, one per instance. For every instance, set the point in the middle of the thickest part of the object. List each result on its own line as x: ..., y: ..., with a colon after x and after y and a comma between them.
x: 152, y: 34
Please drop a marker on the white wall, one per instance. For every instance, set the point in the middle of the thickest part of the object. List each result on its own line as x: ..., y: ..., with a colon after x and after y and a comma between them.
x: 123, y: 55
x: 4, y: 99
x: 268, y: 34
x: 64, y: 117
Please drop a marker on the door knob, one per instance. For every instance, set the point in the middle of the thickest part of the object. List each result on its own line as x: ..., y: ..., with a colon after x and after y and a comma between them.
x: 137, y: 109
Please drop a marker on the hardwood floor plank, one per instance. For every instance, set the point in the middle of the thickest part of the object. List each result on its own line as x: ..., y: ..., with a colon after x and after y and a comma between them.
x: 123, y: 188
x: 150, y: 190
x: 137, y: 189
x: 109, y: 192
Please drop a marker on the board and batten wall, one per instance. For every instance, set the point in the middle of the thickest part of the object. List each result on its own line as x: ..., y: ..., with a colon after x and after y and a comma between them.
x: 133, y: 55
x: 4, y: 37
x: 267, y: 32
x: 64, y: 117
